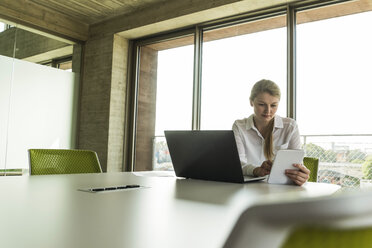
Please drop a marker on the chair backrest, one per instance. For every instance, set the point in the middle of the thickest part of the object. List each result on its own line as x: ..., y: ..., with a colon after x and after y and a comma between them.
x: 300, y: 223
x: 314, y: 236
x: 312, y: 164
x: 63, y: 161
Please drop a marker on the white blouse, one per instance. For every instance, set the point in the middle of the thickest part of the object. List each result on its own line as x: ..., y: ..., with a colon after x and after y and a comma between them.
x: 250, y: 142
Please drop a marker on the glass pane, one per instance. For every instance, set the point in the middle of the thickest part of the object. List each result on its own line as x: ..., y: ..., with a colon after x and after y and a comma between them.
x: 2, y: 26
x: 7, y: 42
x: 41, y: 109
x: 66, y: 66
x: 234, y: 58
x: 334, y: 86
x: 164, y: 99
x: 174, y: 89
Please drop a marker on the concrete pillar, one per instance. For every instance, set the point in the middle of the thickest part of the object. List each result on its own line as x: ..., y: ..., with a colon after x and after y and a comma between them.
x: 146, y: 109
x: 102, y: 105
x: 117, y: 104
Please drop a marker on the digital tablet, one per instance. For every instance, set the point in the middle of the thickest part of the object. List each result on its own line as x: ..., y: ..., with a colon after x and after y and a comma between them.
x: 284, y: 159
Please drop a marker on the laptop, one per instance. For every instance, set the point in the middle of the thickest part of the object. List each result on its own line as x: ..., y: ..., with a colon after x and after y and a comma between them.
x: 206, y: 155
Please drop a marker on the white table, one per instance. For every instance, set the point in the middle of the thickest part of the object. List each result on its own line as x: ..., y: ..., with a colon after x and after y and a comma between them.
x: 50, y: 211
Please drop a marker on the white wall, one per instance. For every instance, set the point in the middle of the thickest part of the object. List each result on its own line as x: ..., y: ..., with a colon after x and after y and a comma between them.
x: 6, y: 67
x: 43, y: 108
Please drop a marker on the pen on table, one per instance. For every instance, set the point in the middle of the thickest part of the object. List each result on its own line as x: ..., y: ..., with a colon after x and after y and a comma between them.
x: 115, y: 188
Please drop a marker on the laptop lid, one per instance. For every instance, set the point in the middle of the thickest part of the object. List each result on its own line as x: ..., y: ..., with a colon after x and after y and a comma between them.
x: 205, y: 154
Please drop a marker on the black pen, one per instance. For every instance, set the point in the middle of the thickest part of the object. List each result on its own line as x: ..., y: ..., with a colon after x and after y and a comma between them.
x: 115, y: 188
x: 97, y: 189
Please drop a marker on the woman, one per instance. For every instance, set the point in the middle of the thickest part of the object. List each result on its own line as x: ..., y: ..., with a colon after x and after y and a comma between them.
x: 259, y: 136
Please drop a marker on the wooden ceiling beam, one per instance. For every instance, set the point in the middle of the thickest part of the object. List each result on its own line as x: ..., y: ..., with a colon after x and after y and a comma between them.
x: 28, y: 14
x: 176, y: 14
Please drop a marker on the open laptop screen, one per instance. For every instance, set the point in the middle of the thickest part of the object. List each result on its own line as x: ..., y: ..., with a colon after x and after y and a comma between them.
x: 206, y: 155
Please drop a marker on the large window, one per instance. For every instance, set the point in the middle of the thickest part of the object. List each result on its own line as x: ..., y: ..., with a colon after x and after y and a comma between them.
x: 321, y: 61
x: 334, y: 87
x: 234, y: 58
x: 165, y: 89
x: 174, y: 89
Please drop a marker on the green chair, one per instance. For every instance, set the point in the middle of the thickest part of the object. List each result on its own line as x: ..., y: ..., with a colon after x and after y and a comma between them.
x: 351, y: 226
x: 337, y: 221
x: 312, y: 164
x: 61, y: 161
x: 330, y: 237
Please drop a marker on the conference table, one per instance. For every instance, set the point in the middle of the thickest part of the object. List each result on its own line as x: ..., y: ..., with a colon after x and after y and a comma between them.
x: 164, y: 211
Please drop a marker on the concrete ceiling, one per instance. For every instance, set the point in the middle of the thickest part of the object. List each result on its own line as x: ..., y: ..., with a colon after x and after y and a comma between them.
x: 79, y: 20
x: 95, y: 11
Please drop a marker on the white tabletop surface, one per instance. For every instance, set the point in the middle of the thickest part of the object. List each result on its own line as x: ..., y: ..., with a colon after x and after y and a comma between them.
x: 50, y: 211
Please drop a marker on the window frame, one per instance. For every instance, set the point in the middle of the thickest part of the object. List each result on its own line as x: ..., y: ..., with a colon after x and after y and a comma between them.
x: 290, y: 10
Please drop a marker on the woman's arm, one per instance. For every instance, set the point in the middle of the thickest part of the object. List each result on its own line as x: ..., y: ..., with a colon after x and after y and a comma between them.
x: 300, y: 175
x: 294, y: 141
x: 247, y: 168
x: 264, y: 169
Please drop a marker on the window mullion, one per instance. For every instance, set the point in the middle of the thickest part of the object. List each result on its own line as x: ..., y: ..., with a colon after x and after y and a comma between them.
x: 291, y: 62
x: 196, y: 104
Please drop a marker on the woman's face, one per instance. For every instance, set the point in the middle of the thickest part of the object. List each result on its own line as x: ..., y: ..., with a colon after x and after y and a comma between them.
x: 265, y: 107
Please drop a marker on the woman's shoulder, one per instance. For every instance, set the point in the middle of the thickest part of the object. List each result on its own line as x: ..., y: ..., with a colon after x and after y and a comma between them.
x: 240, y: 121
x: 242, y: 124
x: 243, y: 121
x: 288, y: 121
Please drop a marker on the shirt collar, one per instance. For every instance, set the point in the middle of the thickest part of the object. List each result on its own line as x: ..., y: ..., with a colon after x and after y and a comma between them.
x: 278, y: 122
x: 249, y: 122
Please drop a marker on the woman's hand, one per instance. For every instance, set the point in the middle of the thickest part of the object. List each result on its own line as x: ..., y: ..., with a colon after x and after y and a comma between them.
x: 264, y: 169
x: 300, y: 176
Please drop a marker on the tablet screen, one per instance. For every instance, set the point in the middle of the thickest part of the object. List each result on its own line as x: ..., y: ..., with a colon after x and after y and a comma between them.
x: 284, y: 159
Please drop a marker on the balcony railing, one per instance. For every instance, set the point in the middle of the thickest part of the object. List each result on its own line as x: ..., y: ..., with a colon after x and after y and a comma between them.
x: 344, y: 159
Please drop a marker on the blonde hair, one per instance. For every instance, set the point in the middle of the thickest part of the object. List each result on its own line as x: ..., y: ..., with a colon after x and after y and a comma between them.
x: 273, y: 89
x: 267, y: 86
